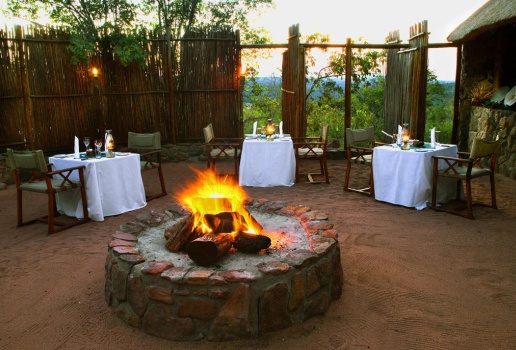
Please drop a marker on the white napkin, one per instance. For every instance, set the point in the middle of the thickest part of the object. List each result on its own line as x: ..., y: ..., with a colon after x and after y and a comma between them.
x: 76, y: 148
x: 281, y: 129
x: 432, y: 137
x: 400, y: 135
x: 255, y: 124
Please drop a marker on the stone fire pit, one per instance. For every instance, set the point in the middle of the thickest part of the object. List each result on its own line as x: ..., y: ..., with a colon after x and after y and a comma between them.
x: 242, y: 295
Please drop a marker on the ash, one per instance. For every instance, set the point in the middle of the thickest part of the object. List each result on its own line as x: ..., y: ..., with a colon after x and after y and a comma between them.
x: 286, y: 234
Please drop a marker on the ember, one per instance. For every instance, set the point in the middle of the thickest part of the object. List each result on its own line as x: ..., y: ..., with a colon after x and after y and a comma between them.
x: 218, y: 221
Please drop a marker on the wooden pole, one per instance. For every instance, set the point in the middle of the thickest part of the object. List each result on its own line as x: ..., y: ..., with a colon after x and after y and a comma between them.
x: 24, y: 80
x: 456, y: 98
x: 171, y: 88
x: 347, y: 88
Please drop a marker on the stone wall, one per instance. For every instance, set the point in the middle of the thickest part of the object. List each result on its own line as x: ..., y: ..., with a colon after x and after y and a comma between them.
x: 488, y: 123
x: 479, y: 66
x: 174, y: 299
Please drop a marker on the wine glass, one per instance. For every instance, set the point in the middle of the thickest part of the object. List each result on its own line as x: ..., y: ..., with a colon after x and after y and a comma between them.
x: 86, y: 141
x: 98, y: 147
x: 264, y: 130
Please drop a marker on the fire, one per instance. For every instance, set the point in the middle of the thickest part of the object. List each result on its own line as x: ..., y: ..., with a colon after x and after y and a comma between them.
x: 210, y: 195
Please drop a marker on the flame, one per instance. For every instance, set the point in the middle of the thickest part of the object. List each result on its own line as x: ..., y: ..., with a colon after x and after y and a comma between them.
x: 211, y: 194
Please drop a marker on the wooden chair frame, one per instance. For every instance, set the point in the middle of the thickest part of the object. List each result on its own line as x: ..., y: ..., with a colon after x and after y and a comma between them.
x: 45, y: 180
x: 148, y: 145
x: 465, y: 167
x: 312, y: 148
x: 359, y: 149
x: 221, y: 148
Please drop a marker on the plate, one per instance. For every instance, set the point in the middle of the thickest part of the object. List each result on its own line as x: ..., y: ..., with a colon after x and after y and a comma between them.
x: 60, y: 156
x: 499, y: 95
x: 122, y: 153
x: 510, y: 98
x: 420, y: 150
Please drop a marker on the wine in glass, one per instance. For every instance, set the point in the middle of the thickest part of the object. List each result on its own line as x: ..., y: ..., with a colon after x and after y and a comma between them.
x: 98, y: 147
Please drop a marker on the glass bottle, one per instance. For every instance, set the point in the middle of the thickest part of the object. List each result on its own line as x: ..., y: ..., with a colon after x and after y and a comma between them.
x: 109, y: 145
x: 270, y: 128
x: 406, y: 137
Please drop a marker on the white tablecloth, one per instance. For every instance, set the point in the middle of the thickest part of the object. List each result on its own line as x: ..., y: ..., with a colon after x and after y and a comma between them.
x: 113, y: 186
x: 405, y: 177
x: 267, y: 163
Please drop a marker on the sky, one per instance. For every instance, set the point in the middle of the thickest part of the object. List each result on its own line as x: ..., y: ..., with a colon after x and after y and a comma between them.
x: 372, y: 20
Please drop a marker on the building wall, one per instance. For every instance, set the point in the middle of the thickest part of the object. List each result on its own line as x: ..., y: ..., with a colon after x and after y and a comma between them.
x: 484, y: 61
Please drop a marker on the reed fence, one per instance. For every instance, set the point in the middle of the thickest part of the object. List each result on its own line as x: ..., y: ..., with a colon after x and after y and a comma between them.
x: 45, y: 100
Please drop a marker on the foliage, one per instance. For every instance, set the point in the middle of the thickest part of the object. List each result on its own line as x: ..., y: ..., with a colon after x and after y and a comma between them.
x: 89, y: 22
x: 262, y: 100
x: 118, y: 22
x: 325, y: 97
x: 439, y: 108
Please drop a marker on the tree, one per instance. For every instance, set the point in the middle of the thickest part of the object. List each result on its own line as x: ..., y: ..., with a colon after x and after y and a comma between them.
x: 119, y: 21
x: 325, y: 96
x: 262, y: 99
x: 439, y: 108
x: 89, y: 22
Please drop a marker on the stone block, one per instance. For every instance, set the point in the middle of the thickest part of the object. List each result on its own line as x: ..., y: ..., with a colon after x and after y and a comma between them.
x: 273, y: 309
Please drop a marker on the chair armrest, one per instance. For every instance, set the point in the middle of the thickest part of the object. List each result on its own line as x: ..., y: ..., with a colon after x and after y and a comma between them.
x: 228, y: 140
x: 463, y: 154
x: 455, y: 159
x: 360, y: 148
x: 61, y: 171
x: 223, y: 144
x: 65, y: 174
x: 306, y: 139
x: 150, y: 153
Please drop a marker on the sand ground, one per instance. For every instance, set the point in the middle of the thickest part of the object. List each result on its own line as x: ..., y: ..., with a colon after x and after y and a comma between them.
x: 413, y: 279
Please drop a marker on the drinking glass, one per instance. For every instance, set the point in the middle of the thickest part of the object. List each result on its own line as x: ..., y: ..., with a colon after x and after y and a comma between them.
x: 86, y: 141
x: 98, y: 148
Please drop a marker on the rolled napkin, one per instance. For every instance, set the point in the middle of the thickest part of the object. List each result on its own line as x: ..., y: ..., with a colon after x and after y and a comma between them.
x: 281, y: 129
x: 432, y: 137
x: 255, y: 124
x: 76, y: 148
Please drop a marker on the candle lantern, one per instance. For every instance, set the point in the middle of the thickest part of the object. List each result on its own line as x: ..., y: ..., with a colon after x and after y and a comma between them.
x: 109, y: 144
x: 406, y: 137
x: 270, y: 128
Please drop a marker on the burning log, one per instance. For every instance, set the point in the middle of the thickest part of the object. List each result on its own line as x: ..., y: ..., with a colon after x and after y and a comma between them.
x: 251, y: 243
x: 222, y: 222
x: 207, y: 249
x: 181, y: 234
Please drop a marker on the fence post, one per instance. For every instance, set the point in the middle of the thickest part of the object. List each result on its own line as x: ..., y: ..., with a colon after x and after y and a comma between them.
x: 171, y: 88
x: 24, y: 78
x: 347, y: 90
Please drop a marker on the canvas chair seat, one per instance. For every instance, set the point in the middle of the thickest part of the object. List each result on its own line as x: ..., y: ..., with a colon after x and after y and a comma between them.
x: 58, y: 185
x: 310, y: 152
x: 227, y: 152
x: 42, y: 179
x: 481, y: 161
x: 359, y: 150
x: 312, y: 148
x: 148, y: 145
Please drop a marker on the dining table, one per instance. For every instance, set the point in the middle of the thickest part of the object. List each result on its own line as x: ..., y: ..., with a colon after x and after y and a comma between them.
x: 113, y: 185
x: 404, y: 177
x: 267, y: 163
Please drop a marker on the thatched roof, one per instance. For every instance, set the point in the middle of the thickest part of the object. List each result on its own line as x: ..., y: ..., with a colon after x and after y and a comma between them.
x: 492, y: 14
